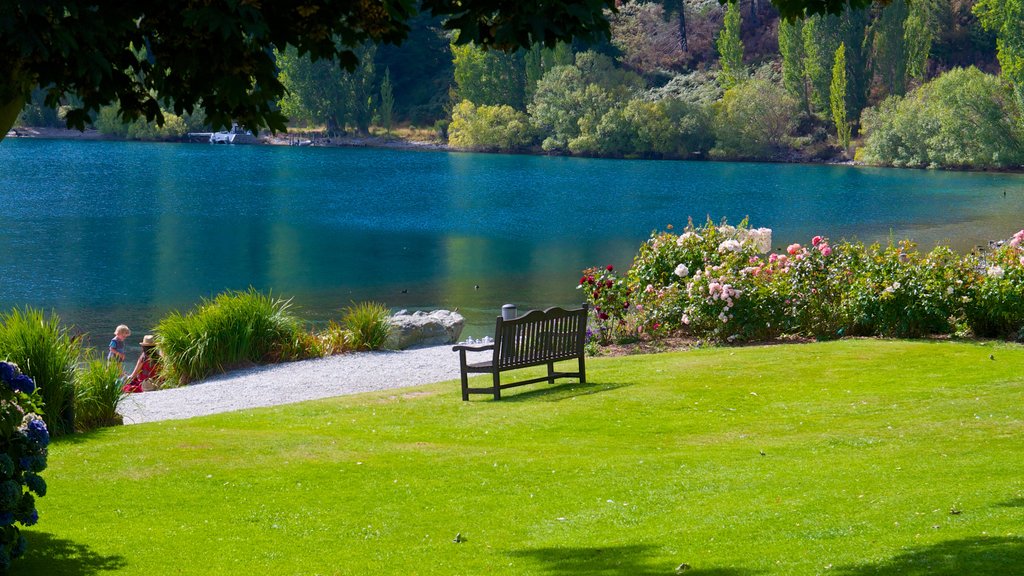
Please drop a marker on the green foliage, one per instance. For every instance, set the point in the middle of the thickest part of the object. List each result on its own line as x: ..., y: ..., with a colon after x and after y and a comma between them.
x: 489, y: 78
x: 46, y: 352
x: 319, y: 92
x: 110, y: 121
x: 86, y: 52
x: 794, y: 61
x: 368, y: 325
x: 891, y: 46
x: 696, y: 88
x: 753, y: 120
x: 232, y: 329
x: 609, y: 297
x: 993, y: 306
x: 98, y: 389
x: 488, y: 127
x: 336, y: 339
x: 387, y: 102
x: 1005, y: 17
x: 730, y: 48
x: 963, y: 118
x: 23, y: 455
x: 570, y: 101
x: 837, y: 93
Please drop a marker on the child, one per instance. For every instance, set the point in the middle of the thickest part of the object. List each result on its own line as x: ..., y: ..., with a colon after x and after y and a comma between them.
x: 147, y: 370
x: 117, y: 345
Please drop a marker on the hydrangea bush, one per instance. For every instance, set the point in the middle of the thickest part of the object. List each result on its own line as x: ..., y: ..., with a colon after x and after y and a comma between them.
x: 724, y: 283
x: 23, y: 450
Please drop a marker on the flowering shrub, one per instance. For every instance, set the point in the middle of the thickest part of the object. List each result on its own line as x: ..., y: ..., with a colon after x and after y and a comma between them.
x: 717, y: 282
x: 995, y: 301
x: 608, y: 296
x: 23, y: 450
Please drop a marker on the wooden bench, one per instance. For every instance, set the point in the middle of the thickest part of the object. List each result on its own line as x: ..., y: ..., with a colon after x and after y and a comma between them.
x: 535, y: 338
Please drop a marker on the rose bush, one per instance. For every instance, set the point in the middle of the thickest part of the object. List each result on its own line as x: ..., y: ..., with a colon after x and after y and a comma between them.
x: 723, y: 283
x: 23, y: 450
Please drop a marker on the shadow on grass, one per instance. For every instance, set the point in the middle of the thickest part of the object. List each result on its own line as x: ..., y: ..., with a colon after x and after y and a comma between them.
x: 975, y: 556
x: 612, y: 561
x: 559, y: 392
x: 53, y: 556
x: 1013, y: 503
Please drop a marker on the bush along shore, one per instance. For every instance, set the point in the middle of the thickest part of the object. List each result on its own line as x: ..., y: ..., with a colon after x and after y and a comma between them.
x: 723, y: 284
x: 76, y: 389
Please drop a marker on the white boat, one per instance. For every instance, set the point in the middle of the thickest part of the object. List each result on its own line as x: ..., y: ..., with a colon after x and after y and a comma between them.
x: 234, y: 136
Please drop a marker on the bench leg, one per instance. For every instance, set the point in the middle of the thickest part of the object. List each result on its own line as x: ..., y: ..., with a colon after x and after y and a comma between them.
x: 551, y: 372
x: 583, y: 372
x: 497, y: 385
x: 465, y: 386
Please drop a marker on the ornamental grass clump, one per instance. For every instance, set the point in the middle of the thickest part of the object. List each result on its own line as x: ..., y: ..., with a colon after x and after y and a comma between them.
x: 47, y: 353
x: 232, y: 329
x: 98, y: 390
x: 368, y: 325
x: 23, y: 450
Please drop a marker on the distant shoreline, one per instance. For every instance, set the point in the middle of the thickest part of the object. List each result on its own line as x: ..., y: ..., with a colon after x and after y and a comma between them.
x: 396, y: 143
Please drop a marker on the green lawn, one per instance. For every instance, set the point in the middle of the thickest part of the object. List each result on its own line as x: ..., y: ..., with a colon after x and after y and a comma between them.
x: 853, y: 457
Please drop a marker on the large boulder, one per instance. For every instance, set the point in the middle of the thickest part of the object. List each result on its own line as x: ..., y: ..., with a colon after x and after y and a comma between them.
x: 424, y: 329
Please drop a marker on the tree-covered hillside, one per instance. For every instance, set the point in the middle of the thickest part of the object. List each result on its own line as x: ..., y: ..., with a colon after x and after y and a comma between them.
x: 693, y: 79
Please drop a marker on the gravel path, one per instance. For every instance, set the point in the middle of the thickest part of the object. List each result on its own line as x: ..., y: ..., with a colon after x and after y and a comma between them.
x: 294, y: 382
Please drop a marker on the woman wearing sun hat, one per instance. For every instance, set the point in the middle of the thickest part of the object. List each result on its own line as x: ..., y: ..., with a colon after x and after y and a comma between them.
x: 147, y: 369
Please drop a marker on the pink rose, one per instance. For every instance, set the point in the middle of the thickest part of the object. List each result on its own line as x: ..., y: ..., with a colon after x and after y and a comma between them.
x: 793, y: 248
x: 816, y: 240
x: 826, y: 250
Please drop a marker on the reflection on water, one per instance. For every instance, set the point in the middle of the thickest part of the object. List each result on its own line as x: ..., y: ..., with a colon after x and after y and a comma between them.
x: 111, y: 232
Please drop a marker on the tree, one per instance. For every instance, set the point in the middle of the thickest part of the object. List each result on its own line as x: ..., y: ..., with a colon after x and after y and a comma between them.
x: 1005, y: 18
x: 320, y: 92
x: 753, y: 120
x: 488, y: 127
x: 730, y: 48
x: 648, y: 42
x: 794, y: 56
x: 837, y: 94
x: 918, y: 35
x: 92, y: 50
x: 489, y: 78
x: 387, y: 101
x: 890, y: 50
x: 962, y: 119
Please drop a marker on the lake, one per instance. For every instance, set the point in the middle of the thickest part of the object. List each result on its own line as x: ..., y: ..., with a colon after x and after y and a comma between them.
x: 113, y: 232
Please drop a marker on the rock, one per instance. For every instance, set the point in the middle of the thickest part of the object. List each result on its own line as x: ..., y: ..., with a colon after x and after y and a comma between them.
x: 421, y: 329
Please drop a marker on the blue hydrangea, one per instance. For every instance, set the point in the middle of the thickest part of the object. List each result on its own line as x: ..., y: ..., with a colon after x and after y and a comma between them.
x: 6, y: 372
x: 6, y: 518
x: 6, y: 467
x: 22, y: 383
x: 35, y: 430
x: 10, y: 494
x: 36, y: 484
x: 29, y: 518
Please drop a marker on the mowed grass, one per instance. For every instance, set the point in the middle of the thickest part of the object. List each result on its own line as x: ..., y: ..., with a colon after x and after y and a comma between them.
x: 852, y: 457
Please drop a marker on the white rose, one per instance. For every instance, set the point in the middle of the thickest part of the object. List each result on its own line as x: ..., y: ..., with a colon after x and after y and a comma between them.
x: 682, y: 271
x: 995, y: 271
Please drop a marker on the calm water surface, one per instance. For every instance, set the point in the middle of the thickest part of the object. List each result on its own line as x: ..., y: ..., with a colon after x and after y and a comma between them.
x: 112, y: 232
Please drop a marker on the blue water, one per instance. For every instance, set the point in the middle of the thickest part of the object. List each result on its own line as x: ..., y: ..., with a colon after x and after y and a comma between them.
x: 111, y: 232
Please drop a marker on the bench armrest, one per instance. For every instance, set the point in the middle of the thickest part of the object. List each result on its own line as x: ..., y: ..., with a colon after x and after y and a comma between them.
x: 472, y: 348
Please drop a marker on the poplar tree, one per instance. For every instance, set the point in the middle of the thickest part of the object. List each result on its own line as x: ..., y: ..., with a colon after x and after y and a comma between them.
x: 794, y: 56
x: 838, y: 97
x: 1005, y: 18
x: 730, y: 48
x: 387, y: 101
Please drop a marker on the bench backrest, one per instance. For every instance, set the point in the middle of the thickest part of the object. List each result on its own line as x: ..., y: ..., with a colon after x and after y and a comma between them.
x: 539, y: 337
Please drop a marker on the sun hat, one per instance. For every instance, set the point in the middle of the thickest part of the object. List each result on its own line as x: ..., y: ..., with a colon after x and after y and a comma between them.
x: 148, y: 340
